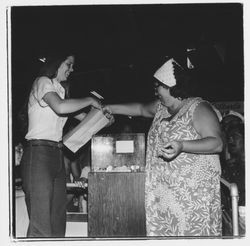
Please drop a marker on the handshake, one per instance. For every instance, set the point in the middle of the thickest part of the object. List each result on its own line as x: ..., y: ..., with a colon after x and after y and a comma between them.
x: 96, y: 103
x: 108, y: 113
x: 97, y: 118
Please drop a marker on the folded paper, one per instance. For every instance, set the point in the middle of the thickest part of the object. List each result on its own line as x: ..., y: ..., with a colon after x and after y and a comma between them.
x: 83, y: 132
x: 165, y: 74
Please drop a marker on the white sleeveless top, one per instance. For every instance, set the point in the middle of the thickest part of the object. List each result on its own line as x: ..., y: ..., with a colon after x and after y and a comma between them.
x: 44, y: 123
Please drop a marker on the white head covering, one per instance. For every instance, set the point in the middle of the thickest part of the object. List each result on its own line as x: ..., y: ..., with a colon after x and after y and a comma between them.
x: 165, y: 74
x: 234, y: 113
x: 218, y: 113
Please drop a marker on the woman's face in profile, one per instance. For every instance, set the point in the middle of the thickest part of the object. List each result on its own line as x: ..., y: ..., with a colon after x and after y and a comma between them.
x: 162, y: 92
x: 65, y: 69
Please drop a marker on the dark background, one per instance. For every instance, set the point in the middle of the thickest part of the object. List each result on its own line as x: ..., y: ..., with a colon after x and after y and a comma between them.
x: 118, y: 48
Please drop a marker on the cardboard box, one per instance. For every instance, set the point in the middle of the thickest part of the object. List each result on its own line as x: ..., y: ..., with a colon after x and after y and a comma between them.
x: 83, y: 132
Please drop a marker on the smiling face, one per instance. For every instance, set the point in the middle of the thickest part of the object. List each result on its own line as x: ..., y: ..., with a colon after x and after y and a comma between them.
x: 65, y: 69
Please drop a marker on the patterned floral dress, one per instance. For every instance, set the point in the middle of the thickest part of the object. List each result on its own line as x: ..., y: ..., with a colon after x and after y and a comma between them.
x: 182, y: 195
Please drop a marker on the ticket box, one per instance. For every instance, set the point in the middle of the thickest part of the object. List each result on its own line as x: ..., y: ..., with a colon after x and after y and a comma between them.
x: 118, y: 152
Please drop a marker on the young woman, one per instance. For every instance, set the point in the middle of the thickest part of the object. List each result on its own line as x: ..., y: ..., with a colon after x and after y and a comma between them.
x: 43, y: 170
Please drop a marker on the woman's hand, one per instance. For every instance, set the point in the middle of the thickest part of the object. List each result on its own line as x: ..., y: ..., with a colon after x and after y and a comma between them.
x: 170, y: 150
x: 96, y: 103
x: 111, y: 119
x: 107, y: 110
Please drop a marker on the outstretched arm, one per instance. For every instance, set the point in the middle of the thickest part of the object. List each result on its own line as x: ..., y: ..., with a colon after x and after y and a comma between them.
x: 133, y: 109
x: 65, y: 106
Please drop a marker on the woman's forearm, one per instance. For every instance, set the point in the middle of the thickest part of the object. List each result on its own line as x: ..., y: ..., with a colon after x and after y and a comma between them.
x: 73, y: 105
x: 65, y: 106
x: 131, y: 109
x: 134, y: 109
x: 207, y: 145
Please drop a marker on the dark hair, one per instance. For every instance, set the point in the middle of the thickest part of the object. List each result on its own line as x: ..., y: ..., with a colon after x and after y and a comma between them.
x: 239, y: 127
x: 230, y: 120
x: 51, y: 65
x: 48, y: 69
x: 183, y: 88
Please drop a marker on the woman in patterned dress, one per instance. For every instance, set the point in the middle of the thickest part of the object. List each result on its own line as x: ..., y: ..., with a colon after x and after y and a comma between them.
x: 182, y: 189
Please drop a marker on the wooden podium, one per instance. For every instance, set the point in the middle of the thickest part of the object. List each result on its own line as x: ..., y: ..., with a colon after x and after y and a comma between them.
x: 116, y: 206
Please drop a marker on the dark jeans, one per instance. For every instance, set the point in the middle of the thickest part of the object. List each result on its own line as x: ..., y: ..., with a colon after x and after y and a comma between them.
x: 44, y: 185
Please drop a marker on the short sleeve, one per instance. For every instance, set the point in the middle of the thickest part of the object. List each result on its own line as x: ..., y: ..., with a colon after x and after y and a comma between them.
x: 43, y: 85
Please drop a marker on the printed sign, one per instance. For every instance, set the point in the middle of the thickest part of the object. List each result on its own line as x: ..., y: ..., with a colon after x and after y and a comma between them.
x: 124, y: 146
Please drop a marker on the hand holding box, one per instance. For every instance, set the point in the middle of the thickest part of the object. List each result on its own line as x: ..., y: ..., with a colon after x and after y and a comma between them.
x: 94, y: 121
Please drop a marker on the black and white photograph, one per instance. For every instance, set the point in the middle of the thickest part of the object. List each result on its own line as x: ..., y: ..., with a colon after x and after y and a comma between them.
x: 126, y: 121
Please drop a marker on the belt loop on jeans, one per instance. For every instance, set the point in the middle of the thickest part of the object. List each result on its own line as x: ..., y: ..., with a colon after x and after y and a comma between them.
x: 44, y: 142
